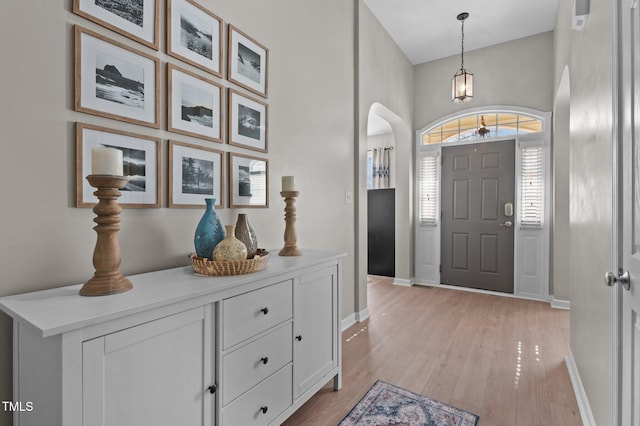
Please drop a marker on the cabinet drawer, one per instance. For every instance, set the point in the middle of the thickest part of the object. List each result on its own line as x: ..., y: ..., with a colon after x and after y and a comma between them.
x: 251, y: 313
x: 247, y: 366
x: 263, y: 403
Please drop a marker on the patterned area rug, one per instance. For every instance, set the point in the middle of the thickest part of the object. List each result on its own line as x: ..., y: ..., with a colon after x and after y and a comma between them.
x: 386, y: 404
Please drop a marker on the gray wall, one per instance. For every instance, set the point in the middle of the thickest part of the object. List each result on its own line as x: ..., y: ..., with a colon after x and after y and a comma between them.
x: 517, y: 73
x: 47, y: 242
x: 588, y: 56
x: 385, y: 81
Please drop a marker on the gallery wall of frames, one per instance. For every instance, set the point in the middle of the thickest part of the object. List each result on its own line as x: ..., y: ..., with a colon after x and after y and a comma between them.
x: 215, y: 92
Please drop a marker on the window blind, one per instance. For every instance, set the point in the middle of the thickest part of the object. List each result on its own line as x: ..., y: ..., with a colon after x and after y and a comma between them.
x: 531, y: 186
x: 428, y: 187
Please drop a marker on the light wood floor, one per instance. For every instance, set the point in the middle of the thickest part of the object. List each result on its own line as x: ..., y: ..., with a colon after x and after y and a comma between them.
x: 498, y: 357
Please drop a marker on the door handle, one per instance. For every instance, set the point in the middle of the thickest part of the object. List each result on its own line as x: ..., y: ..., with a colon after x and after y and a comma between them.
x: 506, y: 224
x: 623, y: 278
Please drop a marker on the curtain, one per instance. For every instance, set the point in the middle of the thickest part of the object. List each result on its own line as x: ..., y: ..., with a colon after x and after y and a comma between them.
x: 381, y: 168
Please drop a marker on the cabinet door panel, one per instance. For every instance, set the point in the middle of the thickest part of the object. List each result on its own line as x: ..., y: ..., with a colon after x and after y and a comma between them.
x: 315, y: 349
x: 153, y: 374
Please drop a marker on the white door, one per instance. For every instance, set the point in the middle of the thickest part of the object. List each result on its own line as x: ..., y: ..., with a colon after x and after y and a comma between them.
x: 629, y: 231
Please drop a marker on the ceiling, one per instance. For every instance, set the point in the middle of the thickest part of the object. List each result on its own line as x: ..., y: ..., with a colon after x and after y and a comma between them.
x: 427, y: 30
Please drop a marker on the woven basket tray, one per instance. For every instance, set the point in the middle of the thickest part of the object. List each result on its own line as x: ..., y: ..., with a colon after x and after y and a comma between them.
x: 206, y: 266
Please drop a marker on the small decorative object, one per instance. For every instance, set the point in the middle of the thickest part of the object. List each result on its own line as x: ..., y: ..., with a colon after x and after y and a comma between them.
x: 289, y: 194
x: 194, y: 35
x: 116, y: 81
x: 137, y: 20
x: 248, y: 62
x: 248, y: 121
x: 248, y: 181
x: 140, y: 163
x: 107, y: 279
x: 195, y: 105
x: 230, y: 248
x: 230, y: 267
x: 246, y: 234
x: 209, y: 231
x: 194, y: 171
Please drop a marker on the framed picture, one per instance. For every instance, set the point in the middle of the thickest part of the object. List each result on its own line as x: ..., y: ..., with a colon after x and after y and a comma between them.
x: 248, y: 122
x: 194, y: 35
x: 195, y: 173
x: 115, y: 81
x: 136, y: 19
x: 141, y: 164
x: 248, y: 181
x: 194, y: 105
x: 248, y: 62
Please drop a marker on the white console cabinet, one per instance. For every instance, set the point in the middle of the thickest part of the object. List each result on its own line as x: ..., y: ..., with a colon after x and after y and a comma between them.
x: 180, y: 349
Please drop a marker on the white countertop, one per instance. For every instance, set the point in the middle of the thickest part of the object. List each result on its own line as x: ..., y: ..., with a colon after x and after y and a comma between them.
x: 62, y: 309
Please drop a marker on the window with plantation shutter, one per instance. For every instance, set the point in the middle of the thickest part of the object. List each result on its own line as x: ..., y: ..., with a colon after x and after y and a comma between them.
x: 428, y: 187
x: 531, y: 186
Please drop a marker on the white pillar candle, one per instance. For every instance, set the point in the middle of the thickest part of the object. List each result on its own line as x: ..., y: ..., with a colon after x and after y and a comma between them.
x: 288, y: 184
x: 106, y: 161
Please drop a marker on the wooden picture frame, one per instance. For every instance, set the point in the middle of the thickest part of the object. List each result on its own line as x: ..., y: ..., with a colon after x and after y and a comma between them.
x: 194, y: 105
x: 115, y: 81
x: 141, y: 158
x: 139, y: 22
x: 247, y: 122
x: 248, y: 181
x: 247, y: 62
x: 207, y: 163
x: 194, y: 35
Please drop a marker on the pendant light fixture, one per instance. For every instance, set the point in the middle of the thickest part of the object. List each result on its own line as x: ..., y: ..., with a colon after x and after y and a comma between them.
x: 462, y: 83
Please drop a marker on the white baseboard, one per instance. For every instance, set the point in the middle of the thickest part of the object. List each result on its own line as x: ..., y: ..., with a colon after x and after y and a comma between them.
x: 354, y: 318
x: 402, y: 282
x: 348, y: 321
x: 560, y: 304
x: 362, y: 315
x: 581, y: 395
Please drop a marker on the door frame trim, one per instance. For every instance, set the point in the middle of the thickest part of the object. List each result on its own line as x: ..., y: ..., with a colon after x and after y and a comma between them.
x: 431, y: 227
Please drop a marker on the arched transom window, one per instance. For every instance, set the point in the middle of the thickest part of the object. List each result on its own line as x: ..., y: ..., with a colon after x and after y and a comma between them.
x: 484, y: 125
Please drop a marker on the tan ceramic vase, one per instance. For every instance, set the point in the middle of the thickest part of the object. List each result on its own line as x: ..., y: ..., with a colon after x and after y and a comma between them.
x: 230, y: 248
x: 246, y: 234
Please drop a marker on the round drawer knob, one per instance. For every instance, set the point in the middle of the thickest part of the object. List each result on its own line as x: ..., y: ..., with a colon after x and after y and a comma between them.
x: 265, y: 360
x: 265, y: 310
x: 264, y: 409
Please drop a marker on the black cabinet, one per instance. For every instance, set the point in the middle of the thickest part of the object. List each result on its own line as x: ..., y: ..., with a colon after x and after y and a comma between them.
x: 381, y: 217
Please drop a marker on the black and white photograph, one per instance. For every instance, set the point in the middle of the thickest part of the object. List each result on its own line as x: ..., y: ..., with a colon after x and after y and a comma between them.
x: 119, y: 81
x: 136, y: 19
x: 140, y: 164
x: 248, y: 181
x: 197, y: 176
x: 133, y: 167
x: 194, y: 104
x: 244, y: 181
x: 247, y: 122
x: 194, y: 35
x: 115, y: 81
x: 195, y: 173
x: 247, y: 61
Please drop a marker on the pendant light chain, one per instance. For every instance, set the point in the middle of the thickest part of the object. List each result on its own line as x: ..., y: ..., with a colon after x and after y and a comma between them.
x: 462, y: 46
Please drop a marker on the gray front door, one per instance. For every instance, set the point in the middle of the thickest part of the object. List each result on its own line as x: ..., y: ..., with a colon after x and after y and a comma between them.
x: 477, y: 234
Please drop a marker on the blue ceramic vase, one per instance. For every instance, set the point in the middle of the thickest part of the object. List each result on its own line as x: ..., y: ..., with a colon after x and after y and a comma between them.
x: 209, y: 231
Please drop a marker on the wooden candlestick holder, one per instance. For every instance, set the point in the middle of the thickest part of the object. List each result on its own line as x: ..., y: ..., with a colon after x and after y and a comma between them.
x: 107, y: 278
x: 290, y: 238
